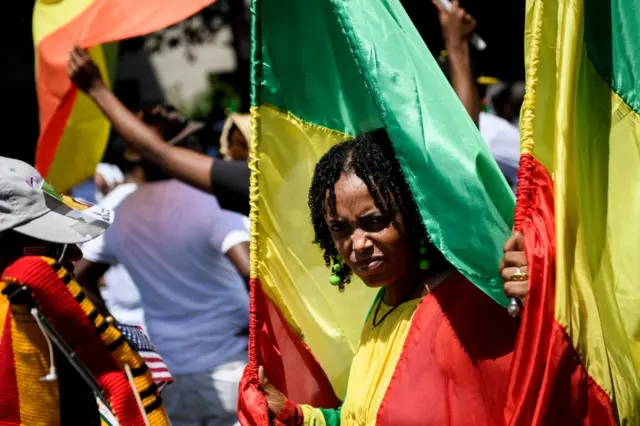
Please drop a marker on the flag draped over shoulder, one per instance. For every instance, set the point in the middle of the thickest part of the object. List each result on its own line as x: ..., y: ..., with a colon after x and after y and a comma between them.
x: 324, y: 71
x: 73, y: 132
x: 578, y: 356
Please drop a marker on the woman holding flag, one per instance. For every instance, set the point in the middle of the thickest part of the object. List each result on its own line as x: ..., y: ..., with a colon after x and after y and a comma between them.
x: 435, y: 350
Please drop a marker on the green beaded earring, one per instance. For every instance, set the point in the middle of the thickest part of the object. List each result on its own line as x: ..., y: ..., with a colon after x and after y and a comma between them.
x: 424, y: 262
x: 336, y: 277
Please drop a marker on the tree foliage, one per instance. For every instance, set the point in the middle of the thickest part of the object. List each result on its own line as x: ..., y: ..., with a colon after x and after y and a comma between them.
x: 197, y: 30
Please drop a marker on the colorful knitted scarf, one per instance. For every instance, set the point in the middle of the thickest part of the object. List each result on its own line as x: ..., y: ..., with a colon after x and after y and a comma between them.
x: 24, y: 357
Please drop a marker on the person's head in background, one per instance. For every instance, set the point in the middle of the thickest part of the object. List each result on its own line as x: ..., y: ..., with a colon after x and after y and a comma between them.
x: 507, y: 101
x: 235, y: 137
x: 35, y: 220
x: 174, y: 128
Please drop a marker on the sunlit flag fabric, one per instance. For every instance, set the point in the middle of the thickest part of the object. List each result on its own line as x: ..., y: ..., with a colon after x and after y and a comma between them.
x: 333, y: 69
x: 578, y: 357
x: 73, y: 132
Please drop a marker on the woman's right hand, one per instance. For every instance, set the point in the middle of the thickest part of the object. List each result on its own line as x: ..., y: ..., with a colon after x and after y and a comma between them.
x: 275, y: 399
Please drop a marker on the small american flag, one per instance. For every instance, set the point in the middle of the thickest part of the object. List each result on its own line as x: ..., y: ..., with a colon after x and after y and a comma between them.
x: 141, y: 343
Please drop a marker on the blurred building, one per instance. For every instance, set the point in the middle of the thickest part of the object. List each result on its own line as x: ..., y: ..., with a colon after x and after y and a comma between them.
x: 175, y: 75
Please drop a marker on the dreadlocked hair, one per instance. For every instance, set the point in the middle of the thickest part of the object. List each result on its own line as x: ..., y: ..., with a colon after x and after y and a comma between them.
x: 369, y: 156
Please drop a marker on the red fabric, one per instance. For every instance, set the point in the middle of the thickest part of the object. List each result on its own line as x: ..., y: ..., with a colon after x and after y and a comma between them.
x: 454, y: 367
x: 103, y: 21
x: 274, y: 346
x: 9, y: 402
x: 67, y: 317
x: 290, y: 415
x: 548, y: 383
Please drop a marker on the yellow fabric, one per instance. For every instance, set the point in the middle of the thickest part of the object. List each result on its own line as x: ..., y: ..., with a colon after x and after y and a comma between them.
x: 589, y: 140
x: 49, y: 16
x: 291, y: 269
x: 85, y: 137
x: 375, y: 362
x: 372, y: 368
x: 39, y: 402
x: 312, y: 416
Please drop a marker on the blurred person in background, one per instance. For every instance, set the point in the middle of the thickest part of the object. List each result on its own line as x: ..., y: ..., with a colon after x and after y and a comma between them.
x: 106, y: 177
x: 506, y: 101
x: 189, y: 259
x: 228, y: 180
x: 119, y: 292
x: 501, y: 136
x: 235, y: 137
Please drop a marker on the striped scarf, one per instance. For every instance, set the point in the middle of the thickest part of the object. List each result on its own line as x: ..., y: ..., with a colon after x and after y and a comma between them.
x: 24, y: 399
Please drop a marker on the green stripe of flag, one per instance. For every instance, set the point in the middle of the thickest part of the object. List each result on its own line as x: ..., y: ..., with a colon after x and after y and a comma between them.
x: 612, y: 39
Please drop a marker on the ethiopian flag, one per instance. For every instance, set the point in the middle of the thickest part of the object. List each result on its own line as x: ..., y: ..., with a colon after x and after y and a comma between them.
x: 331, y: 70
x: 73, y: 132
x: 578, y: 355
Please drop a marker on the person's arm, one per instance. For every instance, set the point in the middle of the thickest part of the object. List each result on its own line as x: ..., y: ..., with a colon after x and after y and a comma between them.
x: 185, y: 165
x: 191, y: 167
x: 457, y: 28
x: 230, y: 235
x: 239, y: 257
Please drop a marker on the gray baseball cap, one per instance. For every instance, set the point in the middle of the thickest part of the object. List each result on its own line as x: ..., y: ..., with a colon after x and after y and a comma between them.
x: 31, y: 206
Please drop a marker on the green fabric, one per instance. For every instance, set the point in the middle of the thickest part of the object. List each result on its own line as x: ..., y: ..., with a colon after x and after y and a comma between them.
x: 331, y: 416
x: 308, y: 69
x: 111, y: 52
x: 355, y: 65
x: 612, y: 39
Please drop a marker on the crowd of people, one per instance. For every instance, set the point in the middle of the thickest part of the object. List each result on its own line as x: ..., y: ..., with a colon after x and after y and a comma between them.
x: 175, y: 259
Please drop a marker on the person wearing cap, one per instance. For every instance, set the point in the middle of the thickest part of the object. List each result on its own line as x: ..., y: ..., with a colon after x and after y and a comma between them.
x: 37, y: 220
x: 228, y: 180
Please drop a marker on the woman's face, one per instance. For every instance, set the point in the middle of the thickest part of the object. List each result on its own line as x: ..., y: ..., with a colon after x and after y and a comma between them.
x: 373, y: 244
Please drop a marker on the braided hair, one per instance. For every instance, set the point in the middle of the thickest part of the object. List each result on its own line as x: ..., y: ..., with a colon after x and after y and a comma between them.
x: 369, y: 156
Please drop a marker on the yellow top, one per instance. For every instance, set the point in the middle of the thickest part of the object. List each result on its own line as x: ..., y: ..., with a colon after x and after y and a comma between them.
x: 372, y: 367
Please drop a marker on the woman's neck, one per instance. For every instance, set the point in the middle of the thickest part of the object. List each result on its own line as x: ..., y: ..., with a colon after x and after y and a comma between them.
x: 408, y: 289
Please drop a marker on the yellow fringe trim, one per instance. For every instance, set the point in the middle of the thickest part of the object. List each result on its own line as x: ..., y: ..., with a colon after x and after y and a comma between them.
x: 527, y: 113
x: 254, y: 190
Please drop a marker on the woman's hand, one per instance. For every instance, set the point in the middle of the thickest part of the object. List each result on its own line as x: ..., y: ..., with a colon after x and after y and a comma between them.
x: 275, y: 399
x: 83, y: 72
x: 513, y: 268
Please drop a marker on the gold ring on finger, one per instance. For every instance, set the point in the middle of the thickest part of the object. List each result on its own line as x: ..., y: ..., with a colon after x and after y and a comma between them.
x: 519, y: 276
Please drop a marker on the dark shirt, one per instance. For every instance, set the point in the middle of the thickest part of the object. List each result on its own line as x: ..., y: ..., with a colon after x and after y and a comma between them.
x: 230, y: 185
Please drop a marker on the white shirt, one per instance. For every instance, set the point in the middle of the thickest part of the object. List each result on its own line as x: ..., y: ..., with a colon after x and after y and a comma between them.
x: 172, y: 238
x: 503, y: 139
x: 120, y: 292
